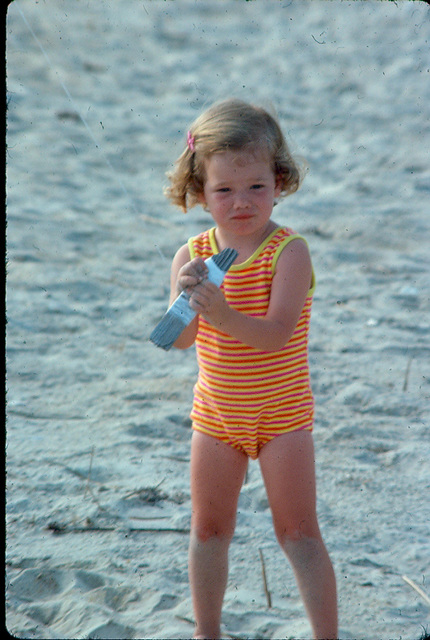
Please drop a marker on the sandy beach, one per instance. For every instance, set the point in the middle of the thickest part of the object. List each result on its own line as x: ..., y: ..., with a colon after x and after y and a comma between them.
x: 100, y: 95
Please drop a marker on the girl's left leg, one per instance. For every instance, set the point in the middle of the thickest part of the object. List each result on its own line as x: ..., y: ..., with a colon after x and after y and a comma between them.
x: 288, y: 468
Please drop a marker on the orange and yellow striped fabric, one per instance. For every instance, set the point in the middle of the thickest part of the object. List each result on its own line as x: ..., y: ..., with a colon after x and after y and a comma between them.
x: 244, y: 396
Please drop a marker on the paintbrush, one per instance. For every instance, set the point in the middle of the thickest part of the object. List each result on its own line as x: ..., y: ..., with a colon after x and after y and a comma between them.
x: 179, y: 315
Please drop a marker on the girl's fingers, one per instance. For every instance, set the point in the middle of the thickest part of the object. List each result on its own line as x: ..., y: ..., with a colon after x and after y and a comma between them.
x: 203, y: 296
x: 198, y: 299
x: 196, y: 268
x: 199, y: 266
x: 186, y: 282
x: 191, y: 275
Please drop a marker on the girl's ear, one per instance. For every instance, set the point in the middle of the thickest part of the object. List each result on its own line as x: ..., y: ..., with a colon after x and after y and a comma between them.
x: 201, y: 198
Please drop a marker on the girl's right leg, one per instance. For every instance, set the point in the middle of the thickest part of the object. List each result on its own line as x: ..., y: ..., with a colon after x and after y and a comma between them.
x: 217, y: 474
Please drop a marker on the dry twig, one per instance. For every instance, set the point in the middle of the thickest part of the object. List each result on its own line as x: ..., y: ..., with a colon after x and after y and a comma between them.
x: 89, y: 474
x: 61, y: 529
x: 418, y: 589
x: 408, y: 368
x: 266, y: 588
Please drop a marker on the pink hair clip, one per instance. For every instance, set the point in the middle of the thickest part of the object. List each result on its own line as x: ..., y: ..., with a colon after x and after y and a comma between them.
x: 190, y: 142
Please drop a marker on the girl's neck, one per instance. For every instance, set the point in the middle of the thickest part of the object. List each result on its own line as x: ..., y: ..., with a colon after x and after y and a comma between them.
x: 244, y: 245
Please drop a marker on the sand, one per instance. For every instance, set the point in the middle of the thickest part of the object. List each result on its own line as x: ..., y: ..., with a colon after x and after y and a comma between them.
x: 100, y: 95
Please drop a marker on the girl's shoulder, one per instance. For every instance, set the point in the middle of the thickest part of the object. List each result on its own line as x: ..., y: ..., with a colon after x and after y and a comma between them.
x: 278, y: 240
x: 281, y: 233
x: 204, y: 245
x: 282, y: 236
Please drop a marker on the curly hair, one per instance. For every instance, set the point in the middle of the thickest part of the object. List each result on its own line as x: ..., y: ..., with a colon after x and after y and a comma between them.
x: 231, y: 125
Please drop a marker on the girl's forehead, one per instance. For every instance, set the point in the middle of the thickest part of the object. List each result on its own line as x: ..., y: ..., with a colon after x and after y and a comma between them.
x: 240, y: 158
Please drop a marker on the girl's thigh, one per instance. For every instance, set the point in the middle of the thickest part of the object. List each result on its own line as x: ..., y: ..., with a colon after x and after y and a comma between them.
x: 217, y: 474
x: 288, y: 467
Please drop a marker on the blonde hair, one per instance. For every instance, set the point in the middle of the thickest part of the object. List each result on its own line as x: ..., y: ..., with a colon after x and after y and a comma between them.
x: 230, y: 125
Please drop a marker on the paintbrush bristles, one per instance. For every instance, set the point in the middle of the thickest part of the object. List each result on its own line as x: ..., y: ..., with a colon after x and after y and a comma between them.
x: 174, y: 321
x: 225, y: 259
x: 166, y: 332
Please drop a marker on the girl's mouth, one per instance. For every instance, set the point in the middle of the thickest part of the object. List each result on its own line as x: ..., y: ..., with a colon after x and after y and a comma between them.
x: 242, y: 216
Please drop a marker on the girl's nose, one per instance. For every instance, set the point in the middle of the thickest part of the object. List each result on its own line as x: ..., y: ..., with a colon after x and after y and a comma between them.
x: 241, y: 200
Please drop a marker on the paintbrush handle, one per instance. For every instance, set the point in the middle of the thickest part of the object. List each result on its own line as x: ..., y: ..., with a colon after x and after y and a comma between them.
x: 215, y: 274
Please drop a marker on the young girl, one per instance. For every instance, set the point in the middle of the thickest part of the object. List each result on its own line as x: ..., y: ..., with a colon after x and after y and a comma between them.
x: 253, y: 396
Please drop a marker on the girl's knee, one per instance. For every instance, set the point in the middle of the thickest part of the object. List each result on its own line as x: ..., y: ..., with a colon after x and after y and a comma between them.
x: 290, y: 533
x: 301, y: 550
x: 210, y: 530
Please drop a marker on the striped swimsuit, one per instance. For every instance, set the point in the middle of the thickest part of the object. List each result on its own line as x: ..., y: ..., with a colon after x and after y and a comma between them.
x: 244, y: 396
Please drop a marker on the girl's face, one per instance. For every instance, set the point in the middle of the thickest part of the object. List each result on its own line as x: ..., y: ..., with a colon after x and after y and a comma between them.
x: 239, y: 191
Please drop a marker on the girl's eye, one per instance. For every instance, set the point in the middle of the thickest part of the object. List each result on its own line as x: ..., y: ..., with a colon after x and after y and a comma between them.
x: 223, y: 190
x: 257, y: 186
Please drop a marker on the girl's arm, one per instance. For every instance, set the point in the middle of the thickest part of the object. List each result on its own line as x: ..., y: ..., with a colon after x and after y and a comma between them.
x: 186, y: 274
x: 290, y: 286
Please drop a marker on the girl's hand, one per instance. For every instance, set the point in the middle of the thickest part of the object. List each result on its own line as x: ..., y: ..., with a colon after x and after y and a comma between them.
x: 190, y: 275
x: 208, y: 300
